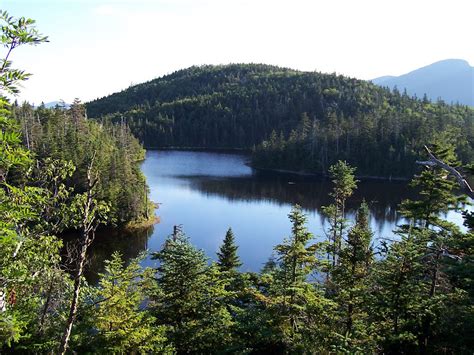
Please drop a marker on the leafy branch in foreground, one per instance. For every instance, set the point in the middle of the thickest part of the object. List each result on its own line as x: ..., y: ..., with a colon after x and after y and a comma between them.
x: 15, y: 33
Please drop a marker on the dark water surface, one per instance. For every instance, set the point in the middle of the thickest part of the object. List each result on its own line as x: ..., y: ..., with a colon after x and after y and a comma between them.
x: 207, y: 193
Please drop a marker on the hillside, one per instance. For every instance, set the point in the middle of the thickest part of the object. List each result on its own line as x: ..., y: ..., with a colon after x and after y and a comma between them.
x: 328, y: 117
x: 451, y: 80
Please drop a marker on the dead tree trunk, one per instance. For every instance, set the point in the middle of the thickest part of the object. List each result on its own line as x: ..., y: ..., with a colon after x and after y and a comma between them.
x: 89, y: 225
x: 433, y: 161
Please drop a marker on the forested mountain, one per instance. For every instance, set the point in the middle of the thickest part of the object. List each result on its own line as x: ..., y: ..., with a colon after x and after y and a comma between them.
x: 310, y: 120
x: 452, y: 80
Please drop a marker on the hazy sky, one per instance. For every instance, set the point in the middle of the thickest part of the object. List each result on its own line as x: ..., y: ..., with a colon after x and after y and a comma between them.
x: 99, y: 46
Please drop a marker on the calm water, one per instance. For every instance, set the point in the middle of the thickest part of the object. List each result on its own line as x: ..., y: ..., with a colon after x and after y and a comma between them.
x: 207, y: 193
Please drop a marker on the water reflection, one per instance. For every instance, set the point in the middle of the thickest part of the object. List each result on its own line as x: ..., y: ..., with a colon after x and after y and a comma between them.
x: 209, y: 192
x: 129, y: 243
x: 382, y: 197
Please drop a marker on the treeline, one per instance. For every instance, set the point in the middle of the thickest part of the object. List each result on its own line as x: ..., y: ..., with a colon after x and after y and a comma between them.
x: 338, y: 294
x: 67, y: 135
x: 297, y: 120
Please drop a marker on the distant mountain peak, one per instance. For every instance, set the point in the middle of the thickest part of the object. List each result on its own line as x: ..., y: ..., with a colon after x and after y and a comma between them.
x: 452, y: 80
x: 452, y: 62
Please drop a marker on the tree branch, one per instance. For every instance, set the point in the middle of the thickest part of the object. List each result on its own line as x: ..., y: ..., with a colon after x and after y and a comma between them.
x: 433, y: 161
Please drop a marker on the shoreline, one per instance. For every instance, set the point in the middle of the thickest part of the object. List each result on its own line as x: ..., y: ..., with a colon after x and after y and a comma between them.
x: 131, y: 226
x: 203, y: 149
x: 275, y: 170
x: 324, y: 176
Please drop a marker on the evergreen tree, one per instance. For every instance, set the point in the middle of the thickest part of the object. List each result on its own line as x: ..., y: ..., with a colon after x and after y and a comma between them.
x: 121, y: 325
x: 427, y: 240
x: 436, y: 188
x: 344, y: 184
x: 350, y: 278
x: 228, y: 260
x: 191, y: 298
x: 397, y: 294
x: 298, y: 305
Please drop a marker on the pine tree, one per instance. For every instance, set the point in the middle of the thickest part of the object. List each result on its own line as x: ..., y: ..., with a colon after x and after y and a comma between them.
x: 344, y: 184
x: 228, y: 260
x: 191, y: 297
x: 121, y: 325
x: 397, y: 292
x: 418, y: 308
x: 350, y: 278
x: 436, y: 188
x: 298, y: 306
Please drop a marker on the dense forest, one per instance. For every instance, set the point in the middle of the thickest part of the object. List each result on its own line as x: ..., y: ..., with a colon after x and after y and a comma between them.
x: 413, y: 295
x: 300, y: 121
x: 67, y: 135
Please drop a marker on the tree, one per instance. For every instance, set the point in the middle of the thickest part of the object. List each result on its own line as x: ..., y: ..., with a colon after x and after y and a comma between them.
x: 21, y: 250
x: 350, y: 278
x: 191, y: 298
x: 419, y: 286
x: 228, y: 260
x: 436, y: 193
x: 396, y: 302
x: 297, y: 305
x: 121, y: 324
x: 344, y: 183
x: 90, y: 213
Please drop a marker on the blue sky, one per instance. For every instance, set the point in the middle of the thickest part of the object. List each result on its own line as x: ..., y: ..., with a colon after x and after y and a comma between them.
x: 99, y: 47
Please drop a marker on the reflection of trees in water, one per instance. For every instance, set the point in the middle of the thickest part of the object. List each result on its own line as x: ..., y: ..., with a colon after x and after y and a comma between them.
x: 129, y: 243
x: 383, y: 197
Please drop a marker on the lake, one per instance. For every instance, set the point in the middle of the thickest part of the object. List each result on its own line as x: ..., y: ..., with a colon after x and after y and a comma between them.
x: 208, y: 192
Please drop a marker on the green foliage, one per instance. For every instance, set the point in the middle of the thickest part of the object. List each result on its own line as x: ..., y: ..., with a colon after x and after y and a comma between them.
x: 120, y: 325
x: 351, y: 286
x: 14, y: 33
x: 344, y: 184
x: 192, y: 298
x: 12, y: 153
x: 228, y: 260
x: 418, y: 291
x: 436, y: 188
x: 398, y: 293
x: 416, y: 297
x: 68, y: 135
x: 298, y: 307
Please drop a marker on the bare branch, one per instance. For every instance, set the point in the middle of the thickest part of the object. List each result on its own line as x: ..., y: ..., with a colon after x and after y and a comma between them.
x: 433, y: 161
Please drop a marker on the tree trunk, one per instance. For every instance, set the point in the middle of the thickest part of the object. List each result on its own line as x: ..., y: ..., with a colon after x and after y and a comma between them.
x: 89, y: 225
x: 75, y: 299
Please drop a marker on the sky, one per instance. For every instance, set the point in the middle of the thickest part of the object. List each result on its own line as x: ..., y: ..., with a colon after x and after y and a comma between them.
x: 97, y: 47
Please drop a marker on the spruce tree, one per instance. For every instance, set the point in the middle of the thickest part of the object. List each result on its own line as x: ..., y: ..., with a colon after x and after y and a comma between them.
x: 119, y: 322
x: 228, y: 260
x: 350, y: 278
x: 344, y: 184
x: 397, y: 292
x: 427, y: 237
x: 298, y: 306
x: 191, y: 297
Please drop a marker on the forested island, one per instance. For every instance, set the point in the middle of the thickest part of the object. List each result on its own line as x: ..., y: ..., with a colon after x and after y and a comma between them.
x: 293, y: 120
x: 61, y: 170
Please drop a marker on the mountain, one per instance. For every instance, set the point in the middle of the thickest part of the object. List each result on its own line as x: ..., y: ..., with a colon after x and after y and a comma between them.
x: 305, y: 120
x: 53, y: 104
x: 452, y: 80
